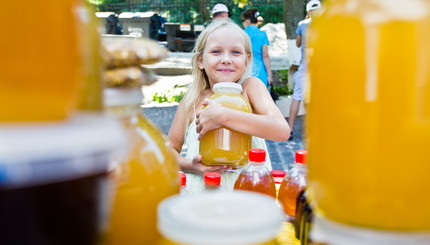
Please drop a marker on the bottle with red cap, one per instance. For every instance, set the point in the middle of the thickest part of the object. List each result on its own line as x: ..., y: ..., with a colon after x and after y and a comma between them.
x: 183, y: 181
x: 293, y: 184
x: 255, y: 176
x: 278, y: 177
x: 212, y: 180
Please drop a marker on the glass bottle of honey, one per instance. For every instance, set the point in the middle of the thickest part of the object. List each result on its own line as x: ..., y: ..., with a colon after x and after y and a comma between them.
x: 293, y: 184
x: 255, y: 176
x: 223, y: 146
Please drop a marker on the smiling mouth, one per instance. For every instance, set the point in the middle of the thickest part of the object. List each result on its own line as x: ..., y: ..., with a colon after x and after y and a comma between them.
x: 226, y: 70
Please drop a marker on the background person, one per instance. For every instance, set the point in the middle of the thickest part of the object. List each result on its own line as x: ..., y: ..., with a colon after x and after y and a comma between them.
x: 260, y: 47
x: 220, y: 11
x: 112, y: 25
x: 300, y: 74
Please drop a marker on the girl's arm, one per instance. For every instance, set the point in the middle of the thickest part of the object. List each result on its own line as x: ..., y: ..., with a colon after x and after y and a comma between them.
x: 266, y: 60
x: 266, y: 121
x: 299, y: 41
x: 175, y: 139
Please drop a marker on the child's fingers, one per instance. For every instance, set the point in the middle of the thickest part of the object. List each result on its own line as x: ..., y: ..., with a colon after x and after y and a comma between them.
x: 220, y: 169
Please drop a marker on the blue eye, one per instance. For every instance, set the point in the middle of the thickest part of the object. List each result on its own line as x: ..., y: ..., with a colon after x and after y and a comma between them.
x: 236, y: 52
x: 215, y: 51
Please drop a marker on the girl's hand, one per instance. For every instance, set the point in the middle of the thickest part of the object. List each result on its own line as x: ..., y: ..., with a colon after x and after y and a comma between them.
x: 199, y: 168
x: 209, y: 118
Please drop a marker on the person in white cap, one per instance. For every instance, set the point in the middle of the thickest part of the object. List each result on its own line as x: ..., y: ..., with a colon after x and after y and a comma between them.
x: 300, y: 75
x: 220, y: 11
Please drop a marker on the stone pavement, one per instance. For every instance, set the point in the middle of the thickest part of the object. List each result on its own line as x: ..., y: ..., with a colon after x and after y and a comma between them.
x: 174, y: 69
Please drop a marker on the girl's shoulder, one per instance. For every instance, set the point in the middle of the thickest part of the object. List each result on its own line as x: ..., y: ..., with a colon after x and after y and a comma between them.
x: 251, y: 83
x: 253, y: 86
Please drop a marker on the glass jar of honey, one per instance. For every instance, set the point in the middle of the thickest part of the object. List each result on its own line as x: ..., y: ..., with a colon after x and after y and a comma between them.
x: 223, y: 146
x: 54, y: 185
x: 369, y: 113
x: 41, y: 60
x: 147, y: 176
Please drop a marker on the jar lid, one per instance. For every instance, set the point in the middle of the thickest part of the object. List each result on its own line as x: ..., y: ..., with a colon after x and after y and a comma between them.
x: 257, y: 155
x: 183, y: 179
x: 300, y: 156
x: 220, y: 218
x: 212, y: 179
x: 333, y: 233
x: 278, y: 173
x: 221, y: 86
x: 40, y: 153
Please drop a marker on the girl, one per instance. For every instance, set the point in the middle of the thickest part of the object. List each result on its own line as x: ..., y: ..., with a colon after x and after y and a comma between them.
x: 222, y: 53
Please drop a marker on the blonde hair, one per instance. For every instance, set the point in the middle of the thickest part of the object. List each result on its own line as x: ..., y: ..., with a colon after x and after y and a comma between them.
x: 199, y: 76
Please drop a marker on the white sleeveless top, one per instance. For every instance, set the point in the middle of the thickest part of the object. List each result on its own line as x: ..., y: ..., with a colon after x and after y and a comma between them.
x: 190, y: 149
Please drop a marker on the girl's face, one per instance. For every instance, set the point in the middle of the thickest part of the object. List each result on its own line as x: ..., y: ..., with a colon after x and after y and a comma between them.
x: 224, y: 58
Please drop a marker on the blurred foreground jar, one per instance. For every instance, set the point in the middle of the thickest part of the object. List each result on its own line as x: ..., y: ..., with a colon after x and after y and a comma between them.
x: 223, y: 146
x: 54, y: 184
x: 147, y: 176
x: 219, y: 218
x: 369, y: 113
x: 41, y: 59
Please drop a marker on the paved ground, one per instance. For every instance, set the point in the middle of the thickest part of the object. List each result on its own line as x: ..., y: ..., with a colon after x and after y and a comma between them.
x: 281, y: 153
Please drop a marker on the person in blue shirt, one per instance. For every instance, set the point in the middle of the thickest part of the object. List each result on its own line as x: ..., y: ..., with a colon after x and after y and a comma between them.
x: 260, y: 47
x: 300, y: 74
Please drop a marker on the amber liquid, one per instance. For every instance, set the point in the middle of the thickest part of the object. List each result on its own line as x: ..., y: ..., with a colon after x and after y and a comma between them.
x: 223, y: 146
x: 253, y: 181
x: 169, y: 242
x: 288, y: 193
x: 368, y: 144
x: 148, y: 176
x: 66, y: 212
x: 41, y: 61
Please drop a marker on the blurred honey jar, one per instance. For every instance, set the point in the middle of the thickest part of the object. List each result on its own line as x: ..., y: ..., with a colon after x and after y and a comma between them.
x: 220, y: 218
x: 149, y: 173
x: 53, y: 180
x: 369, y: 114
x: 42, y: 49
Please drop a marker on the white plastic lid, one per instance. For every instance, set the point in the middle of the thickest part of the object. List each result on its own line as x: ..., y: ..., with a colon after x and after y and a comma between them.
x: 227, y: 86
x: 333, y: 233
x: 120, y: 96
x: 218, y: 218
x: 40, y: 153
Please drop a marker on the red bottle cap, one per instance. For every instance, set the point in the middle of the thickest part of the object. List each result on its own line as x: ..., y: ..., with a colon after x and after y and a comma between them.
x: 278, y: 173
x: 257, y: 155
x: 183, y: 179
x: 301, y: 156
x: 212, y: 179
